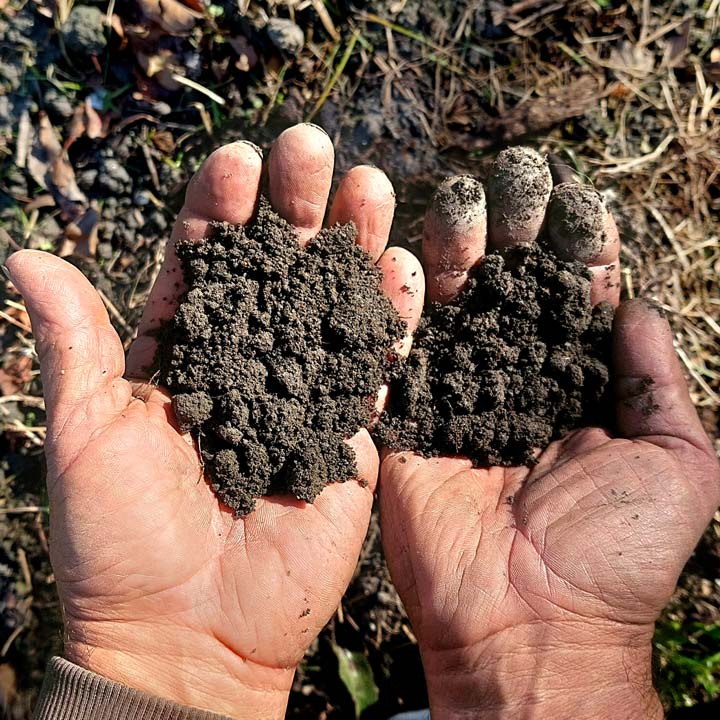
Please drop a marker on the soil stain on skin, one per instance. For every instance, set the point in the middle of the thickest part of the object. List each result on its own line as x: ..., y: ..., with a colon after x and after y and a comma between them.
x: 577, y: 218
x: 275, y: 356
x: 520, y: 358
x: 518, y: 189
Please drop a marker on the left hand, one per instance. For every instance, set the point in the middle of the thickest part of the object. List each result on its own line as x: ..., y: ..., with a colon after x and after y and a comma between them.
x: 162, y: 588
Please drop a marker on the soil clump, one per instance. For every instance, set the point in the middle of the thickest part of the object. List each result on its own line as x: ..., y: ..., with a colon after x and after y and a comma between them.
x: 517, y: 360
x: 275, y: 356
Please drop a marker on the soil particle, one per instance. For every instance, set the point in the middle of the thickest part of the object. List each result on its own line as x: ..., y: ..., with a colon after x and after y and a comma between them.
x: 285, y: 35
x: 275, y: 356
x: 520, y: 358
x: 577, y: 219
x: 84, y: 30
x: 459, y: 201
x: 518, y: 190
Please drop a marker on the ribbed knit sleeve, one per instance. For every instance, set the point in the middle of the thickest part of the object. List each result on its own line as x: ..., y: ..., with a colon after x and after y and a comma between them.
x: 70, y: 692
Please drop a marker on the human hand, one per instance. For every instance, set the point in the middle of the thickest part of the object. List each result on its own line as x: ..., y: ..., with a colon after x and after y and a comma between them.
x: 163, y: 589
x: 533, y: 592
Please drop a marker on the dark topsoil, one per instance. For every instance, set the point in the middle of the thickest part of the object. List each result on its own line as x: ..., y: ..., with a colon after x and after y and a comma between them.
x: 276, y: 355
x: 511, y: 364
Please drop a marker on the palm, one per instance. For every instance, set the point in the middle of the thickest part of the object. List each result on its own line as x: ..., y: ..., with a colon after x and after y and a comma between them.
x: 163, y: 589
x: 579, y: 537
x: 185, y: 556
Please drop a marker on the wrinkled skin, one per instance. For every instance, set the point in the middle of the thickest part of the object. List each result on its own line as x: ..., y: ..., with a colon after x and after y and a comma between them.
x: 162, y: 588
x: 513, y: 577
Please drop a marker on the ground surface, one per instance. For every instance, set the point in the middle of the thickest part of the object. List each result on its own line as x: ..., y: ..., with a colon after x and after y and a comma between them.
x: 102, y: 124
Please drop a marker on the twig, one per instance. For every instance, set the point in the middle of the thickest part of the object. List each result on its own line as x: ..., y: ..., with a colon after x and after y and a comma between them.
x: 197, y: 86
x: 325, y: 19
x: 114, y: 312
x: 336, y: 75
x: 634, y: 163
x: 14, y: 322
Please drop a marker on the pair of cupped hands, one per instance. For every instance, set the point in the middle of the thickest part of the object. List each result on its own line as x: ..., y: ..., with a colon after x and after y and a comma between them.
x: 532, y: 592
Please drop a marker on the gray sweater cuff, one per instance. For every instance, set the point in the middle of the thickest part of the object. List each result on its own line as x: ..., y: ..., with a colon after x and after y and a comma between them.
x: 70, y: 692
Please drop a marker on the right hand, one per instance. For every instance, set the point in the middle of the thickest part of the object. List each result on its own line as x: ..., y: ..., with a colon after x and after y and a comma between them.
x: 162, y: 588
x: 534, y: 592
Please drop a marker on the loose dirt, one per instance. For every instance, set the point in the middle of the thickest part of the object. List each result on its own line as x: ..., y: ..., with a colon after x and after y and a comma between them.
x: 517, y: 360
x: 275, y: 356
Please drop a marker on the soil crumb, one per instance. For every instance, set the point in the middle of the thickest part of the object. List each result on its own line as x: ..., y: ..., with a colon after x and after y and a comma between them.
x: 275, y: 356
x: 516, y: 361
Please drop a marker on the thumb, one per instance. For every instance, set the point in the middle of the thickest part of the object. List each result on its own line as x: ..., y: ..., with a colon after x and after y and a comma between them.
x: 80, y: 353
x: 653, y: 402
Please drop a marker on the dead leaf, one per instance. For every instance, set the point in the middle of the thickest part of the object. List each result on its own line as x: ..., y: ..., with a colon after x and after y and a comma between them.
x: 164, y: 141
x: 171, y: 15
x: 49, y: 166
x: 8, y: 679
x: 16, y: 373
x: 117, y: 26
x: 195, y: 5
x: 81, y: 237
x: 94, y: 126
x: 162, y: 66
x: 537, y: 114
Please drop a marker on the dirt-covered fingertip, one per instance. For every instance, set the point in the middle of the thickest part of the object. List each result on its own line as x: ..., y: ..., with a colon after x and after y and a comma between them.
x: 579, y: 225
x: 458, y: 203
x: 518, y: 189
x: 454, y: 236
x: 366, y: 457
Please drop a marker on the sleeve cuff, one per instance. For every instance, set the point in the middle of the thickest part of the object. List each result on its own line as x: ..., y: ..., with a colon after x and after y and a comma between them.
x: 70, y: 692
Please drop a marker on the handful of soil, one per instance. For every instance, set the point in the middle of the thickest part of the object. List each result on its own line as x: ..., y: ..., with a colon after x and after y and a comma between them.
x: 275, y: 356
x: 517, y: 360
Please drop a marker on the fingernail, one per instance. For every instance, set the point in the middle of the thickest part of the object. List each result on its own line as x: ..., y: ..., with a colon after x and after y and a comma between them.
x: 6, y: 272
x: 317, y: 127
x: 255, y: 147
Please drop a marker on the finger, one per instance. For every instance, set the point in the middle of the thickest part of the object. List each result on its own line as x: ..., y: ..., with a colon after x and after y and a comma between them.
x: 454, y: 236
x: 367, y: 199
x: 81, y: 356
x: 403, y: 282
x: 225, y: 188
x: 653, y: 402
x: 517, y: 194
x: 580, y: 227
x: 300, y: 174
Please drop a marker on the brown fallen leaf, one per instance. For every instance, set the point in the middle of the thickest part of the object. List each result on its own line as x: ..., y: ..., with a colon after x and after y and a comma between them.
x: 16, y: 373
x: 194, y: 4
x: 94, y: 124
x: 162, y: 66
x: 164, y: 141
x: 49, y: 166
x: 81, y: 236
x: 171, y: 15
